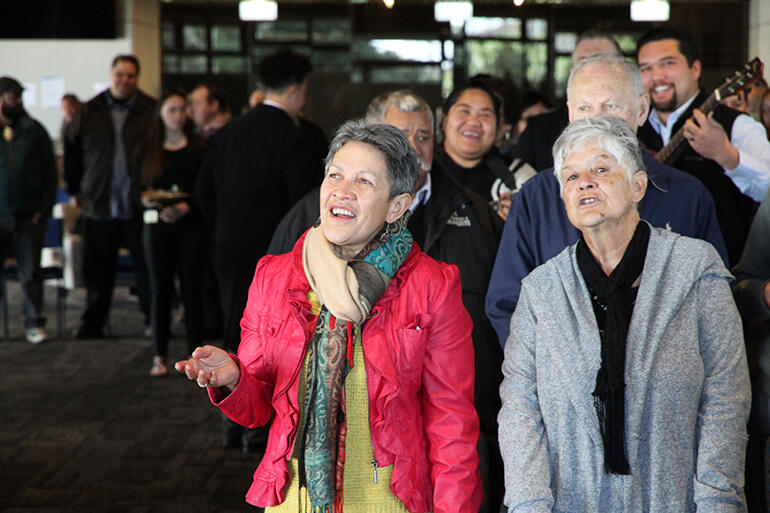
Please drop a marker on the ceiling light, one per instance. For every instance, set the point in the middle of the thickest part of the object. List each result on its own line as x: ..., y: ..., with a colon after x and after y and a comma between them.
x: 258, y: 10
x: 518, y: 3
x: 456, y: 13
x: 649, y: 10
x: 389, y: 3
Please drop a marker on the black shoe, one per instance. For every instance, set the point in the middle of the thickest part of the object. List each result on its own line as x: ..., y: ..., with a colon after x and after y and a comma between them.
x: 231, y: 436
x: 86, y: 332
x: 255, y: 439
x: 255, y: 446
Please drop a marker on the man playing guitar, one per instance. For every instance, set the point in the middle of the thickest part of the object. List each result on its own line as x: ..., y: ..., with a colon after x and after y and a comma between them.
x: 728, y: 151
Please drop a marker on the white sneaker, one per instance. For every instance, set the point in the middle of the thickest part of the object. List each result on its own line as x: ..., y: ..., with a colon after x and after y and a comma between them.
x: 36, y: 335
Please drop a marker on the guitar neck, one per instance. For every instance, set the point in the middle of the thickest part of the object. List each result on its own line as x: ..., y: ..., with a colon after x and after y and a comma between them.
x: 739, y: 81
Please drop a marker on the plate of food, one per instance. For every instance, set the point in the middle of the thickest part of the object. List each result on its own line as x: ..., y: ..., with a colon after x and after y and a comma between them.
x: 165, y: 196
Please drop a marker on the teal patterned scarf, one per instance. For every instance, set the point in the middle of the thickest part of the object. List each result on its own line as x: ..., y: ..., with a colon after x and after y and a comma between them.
x: 329, y: 357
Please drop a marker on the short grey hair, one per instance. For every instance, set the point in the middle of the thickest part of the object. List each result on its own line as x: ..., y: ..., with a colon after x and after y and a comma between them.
x: 400, y: 158
x: 611, y: 134
x: 403, y: 99
x: 629, y: 69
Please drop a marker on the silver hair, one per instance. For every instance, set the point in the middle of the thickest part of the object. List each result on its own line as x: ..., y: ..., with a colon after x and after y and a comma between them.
x: 611, y: 134
x: 400, y: 158
x: 629, y: 69
x: 403, y: 99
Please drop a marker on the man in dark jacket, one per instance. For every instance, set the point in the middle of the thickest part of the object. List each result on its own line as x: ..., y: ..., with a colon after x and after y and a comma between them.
x: 259, y: 165
x: 27, y: 192
x: 210, y: 109
x: 453, y: 224
x: 100, y: 142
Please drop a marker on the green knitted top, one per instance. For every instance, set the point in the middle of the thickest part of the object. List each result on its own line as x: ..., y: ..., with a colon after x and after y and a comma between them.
x: 360, y: 492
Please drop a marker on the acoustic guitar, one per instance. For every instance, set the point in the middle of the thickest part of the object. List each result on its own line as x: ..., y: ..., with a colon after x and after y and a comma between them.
x: 738, y: 81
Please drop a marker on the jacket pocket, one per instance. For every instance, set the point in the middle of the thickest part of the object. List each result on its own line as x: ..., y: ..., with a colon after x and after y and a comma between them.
x: 410, y: 351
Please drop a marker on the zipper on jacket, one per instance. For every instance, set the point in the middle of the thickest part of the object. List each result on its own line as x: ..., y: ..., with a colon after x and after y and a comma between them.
x: 375, y: 465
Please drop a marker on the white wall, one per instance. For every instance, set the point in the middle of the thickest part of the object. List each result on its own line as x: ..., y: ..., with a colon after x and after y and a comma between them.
x: 759, y: 32
x: 80, y: 63
x: 83, y: 63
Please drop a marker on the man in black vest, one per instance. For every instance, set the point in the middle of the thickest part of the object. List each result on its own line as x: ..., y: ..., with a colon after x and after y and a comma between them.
x: 728, y: 151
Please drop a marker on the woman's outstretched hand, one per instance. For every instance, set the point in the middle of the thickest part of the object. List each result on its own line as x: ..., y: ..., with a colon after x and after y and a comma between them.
x: 211, y: 366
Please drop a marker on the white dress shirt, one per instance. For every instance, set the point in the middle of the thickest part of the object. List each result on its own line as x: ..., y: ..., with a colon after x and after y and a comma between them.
x: 422, y: 195
x: 752, y: 175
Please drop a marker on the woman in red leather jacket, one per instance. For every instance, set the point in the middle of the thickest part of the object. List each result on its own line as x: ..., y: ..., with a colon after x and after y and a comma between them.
x: 359, y: 346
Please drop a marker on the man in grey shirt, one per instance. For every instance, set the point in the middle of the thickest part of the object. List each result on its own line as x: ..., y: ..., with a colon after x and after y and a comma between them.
x: 98, y: 149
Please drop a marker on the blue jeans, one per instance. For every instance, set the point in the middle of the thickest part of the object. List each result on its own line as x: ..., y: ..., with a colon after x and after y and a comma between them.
x: 24, y: 238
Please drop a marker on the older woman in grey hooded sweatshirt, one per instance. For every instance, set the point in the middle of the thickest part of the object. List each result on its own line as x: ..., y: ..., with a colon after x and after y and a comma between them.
x: 626, y: 387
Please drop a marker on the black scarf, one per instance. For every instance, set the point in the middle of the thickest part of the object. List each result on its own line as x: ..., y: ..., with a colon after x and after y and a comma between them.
x: 613, y: 299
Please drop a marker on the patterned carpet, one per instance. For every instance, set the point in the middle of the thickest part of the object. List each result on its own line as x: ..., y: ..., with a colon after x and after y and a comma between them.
x: 84, y: 428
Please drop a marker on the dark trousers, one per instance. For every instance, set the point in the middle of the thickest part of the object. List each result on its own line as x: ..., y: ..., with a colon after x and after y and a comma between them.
x: 19, y: 235
x: 212, y: 304
x: 491, y: 470
x: 102, y: 240
x: 177, y: 249
x: 234, y: 282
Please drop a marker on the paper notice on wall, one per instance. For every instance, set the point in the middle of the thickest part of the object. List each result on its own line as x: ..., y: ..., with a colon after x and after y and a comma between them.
x: 51, y: 91
x: 29, y: 96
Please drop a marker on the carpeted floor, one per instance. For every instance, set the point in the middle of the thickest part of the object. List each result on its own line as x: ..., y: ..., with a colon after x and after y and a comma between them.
x: 84, y: 428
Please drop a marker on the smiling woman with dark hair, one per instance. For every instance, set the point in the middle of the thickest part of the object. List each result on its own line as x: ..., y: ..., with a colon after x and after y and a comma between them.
x: 625, y: 381
x: 468, y: 153
x: 174, y: 234
x: 358, y: 346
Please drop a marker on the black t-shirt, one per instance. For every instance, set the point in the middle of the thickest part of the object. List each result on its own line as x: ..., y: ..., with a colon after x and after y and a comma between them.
x: 180, y: 170
x: 480, y: 179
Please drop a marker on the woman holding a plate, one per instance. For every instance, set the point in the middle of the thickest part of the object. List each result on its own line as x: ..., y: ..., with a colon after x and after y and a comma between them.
x: 174, y: 234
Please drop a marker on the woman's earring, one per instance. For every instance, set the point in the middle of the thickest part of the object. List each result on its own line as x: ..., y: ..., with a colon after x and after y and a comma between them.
x: 387, y: 232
